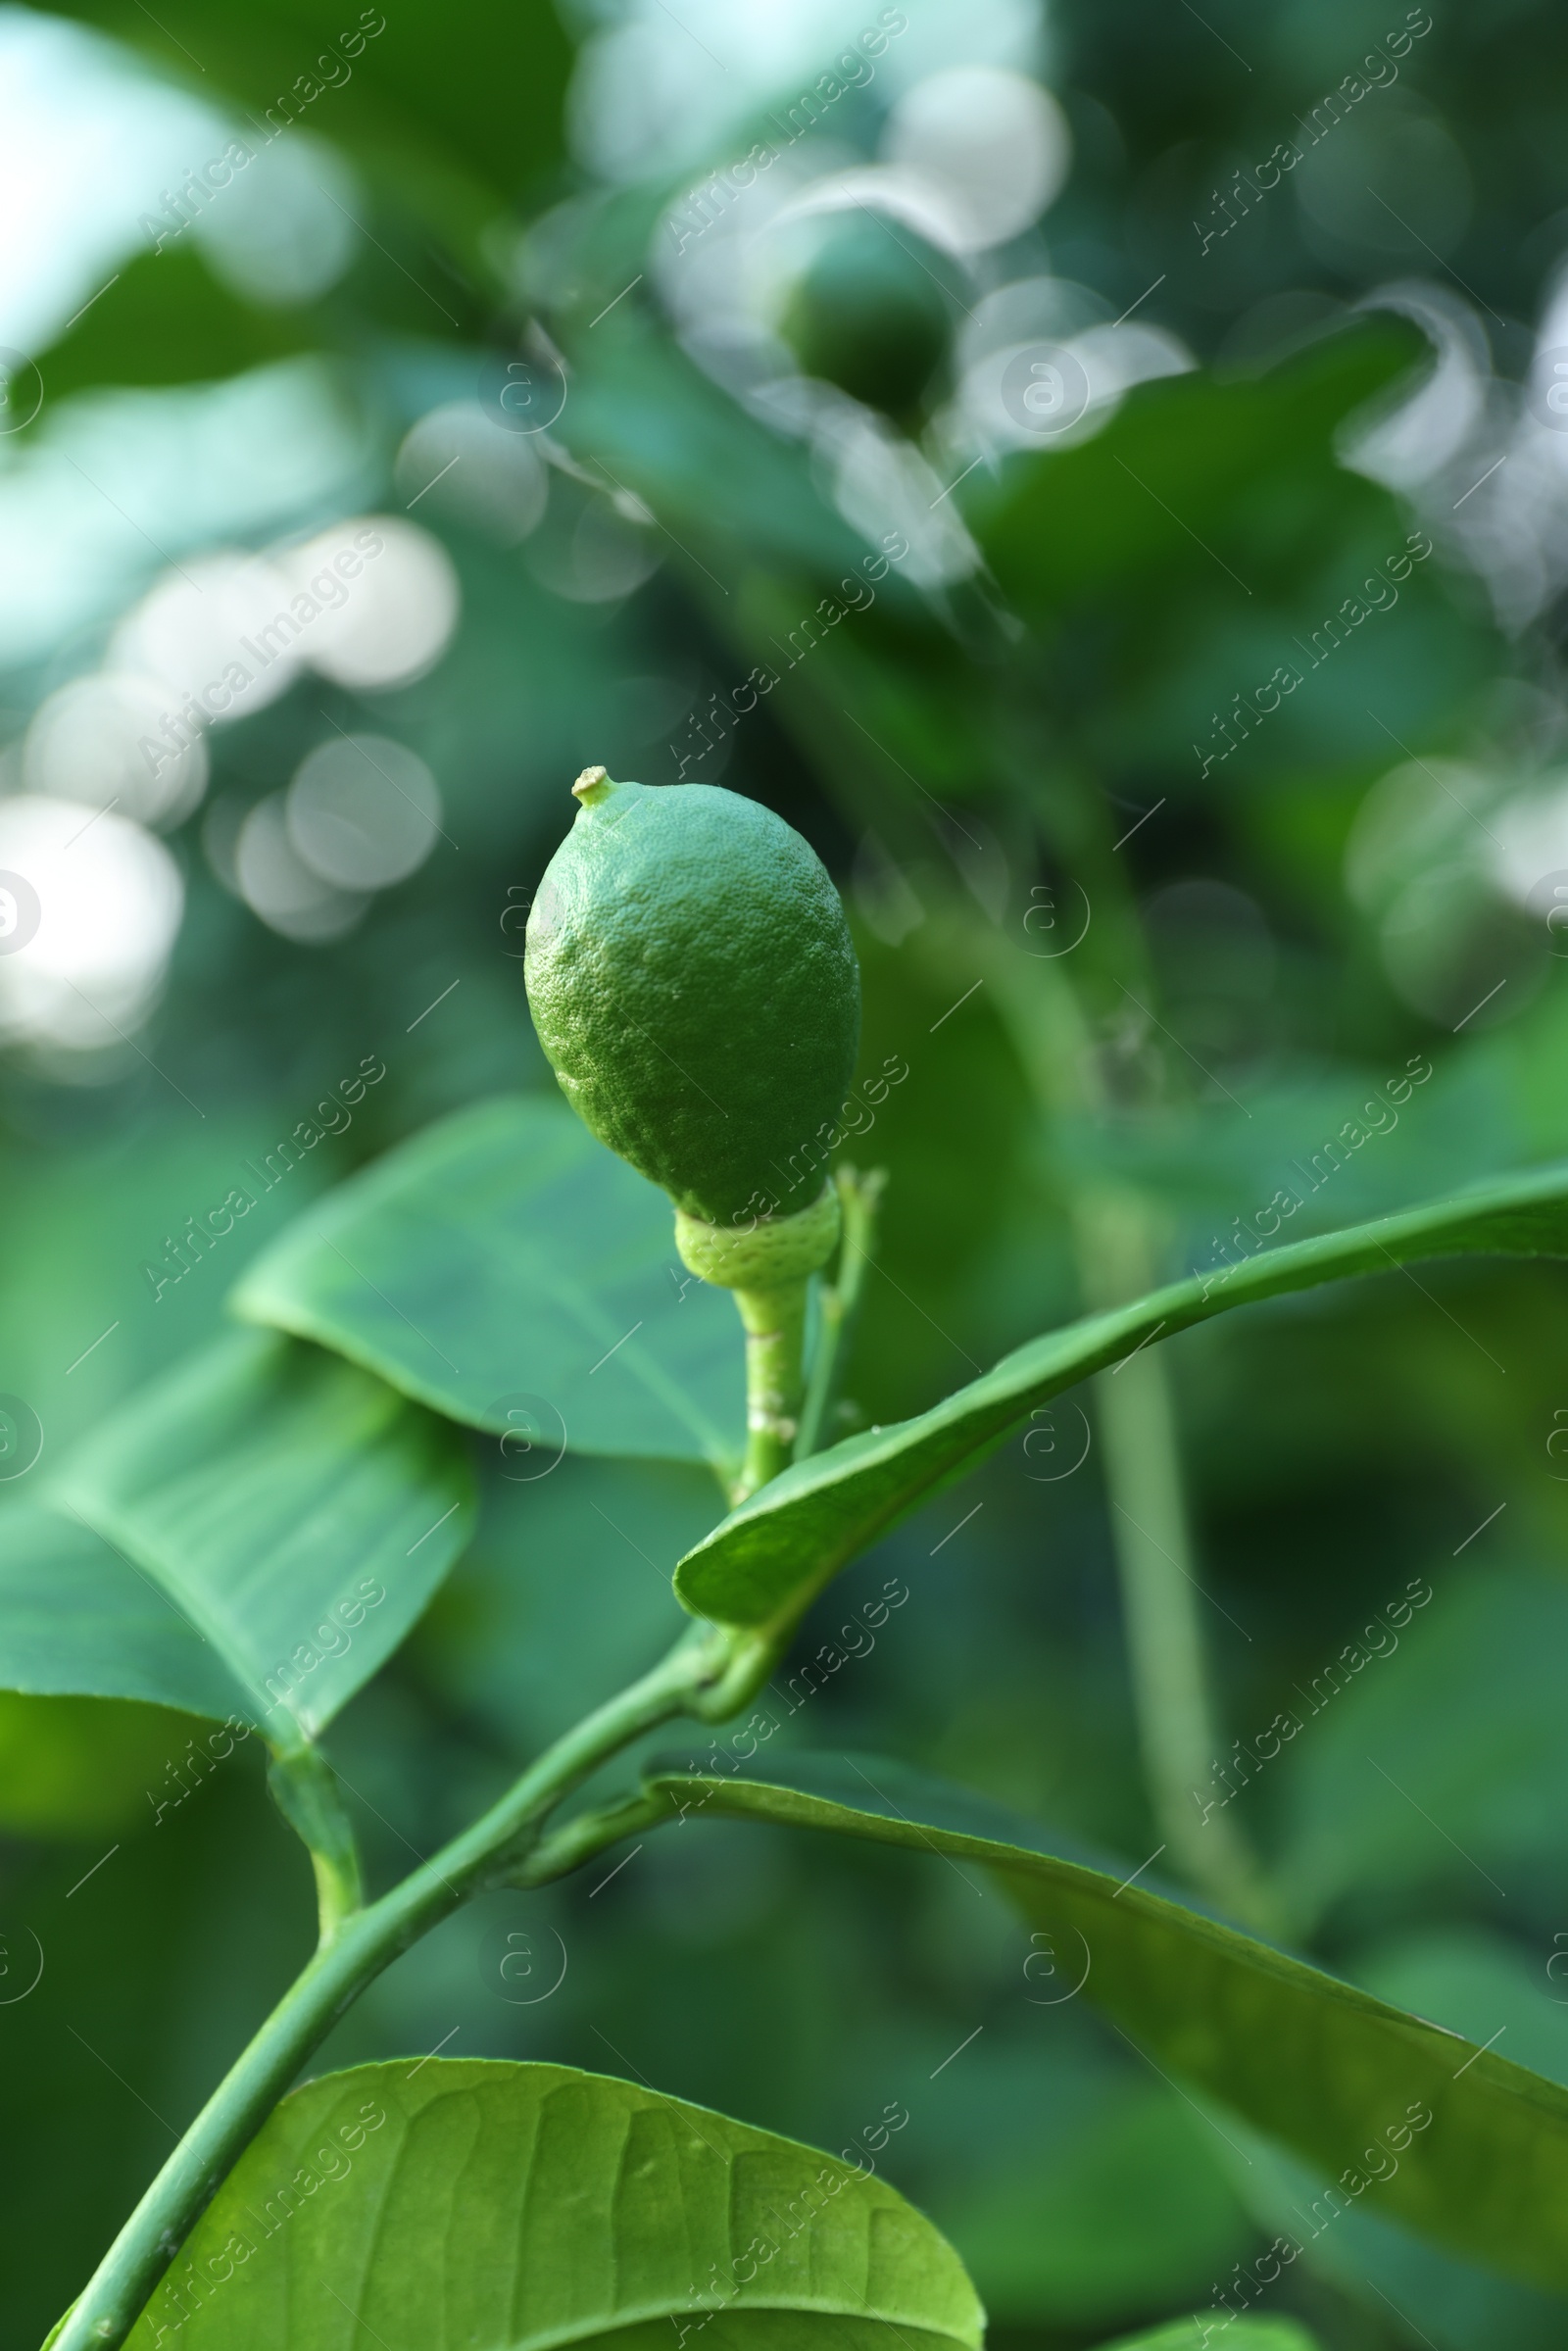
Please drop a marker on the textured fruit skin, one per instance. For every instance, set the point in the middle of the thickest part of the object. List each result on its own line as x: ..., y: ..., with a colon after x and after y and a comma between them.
x: 695, y: 987
x: 766, y: 1256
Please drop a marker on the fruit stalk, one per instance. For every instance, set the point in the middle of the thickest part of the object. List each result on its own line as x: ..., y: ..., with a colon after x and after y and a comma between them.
x: 774, y: 1321
x: 768, y: 1267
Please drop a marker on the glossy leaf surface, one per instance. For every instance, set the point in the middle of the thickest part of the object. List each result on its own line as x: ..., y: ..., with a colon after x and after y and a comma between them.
x: 798, y: 1531
x: 297, y: 1513
x: 1343, y: 2077
x: 524, y: 2206
x: 509, y: 1270
x: 77, y: 1619
x: 1243, y: 2334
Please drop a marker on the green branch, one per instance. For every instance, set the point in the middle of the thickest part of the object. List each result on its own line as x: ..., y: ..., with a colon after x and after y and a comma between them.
x: 493, y: 1851
x: 304, y: 1787
x: 1165, y: 1649
x: 859, y: 1199
x: 774, y: 1321
x: 1150, y: 1531
x: 579, y: 1840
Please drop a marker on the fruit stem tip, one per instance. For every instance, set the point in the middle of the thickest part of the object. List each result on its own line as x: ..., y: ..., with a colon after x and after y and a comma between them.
x: 592, y: 786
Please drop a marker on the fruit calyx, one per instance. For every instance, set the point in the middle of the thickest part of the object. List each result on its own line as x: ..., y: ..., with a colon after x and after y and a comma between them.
x: 771, y: 1252
x: 766, y: 1267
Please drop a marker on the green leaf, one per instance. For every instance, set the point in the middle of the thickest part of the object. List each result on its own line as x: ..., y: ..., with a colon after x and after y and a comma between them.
x: 1302, y: 2056
x: 1464, y: 1704
x: 77, y: 1619
x: 1119, y: 511
x: 1459, y: 2305
x: 1207, y: 538
x: 795, y: 1533
x: 296, y: 1512
x: 442, y: 137
x: 1474, y: 1981
x: 1241, y: 2334
x: 505, y: 1261
x: 518, y: 2207
x: 563, y: 1594
x: 657, y: 424
x: 1127, y: 2213
x: 165, y: 319
x: 80, y: 1222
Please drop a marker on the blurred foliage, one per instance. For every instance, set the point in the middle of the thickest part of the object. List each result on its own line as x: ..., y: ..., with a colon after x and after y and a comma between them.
x: 976, y: 752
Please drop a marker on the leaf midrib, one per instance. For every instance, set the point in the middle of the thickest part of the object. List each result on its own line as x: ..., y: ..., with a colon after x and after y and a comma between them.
x: 1519, y: 2083
x: 973, y: 1418
x: 208, y: 1625
x: 316, y: 1317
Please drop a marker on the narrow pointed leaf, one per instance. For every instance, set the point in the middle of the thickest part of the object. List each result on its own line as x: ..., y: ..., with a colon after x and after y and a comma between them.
x: 77, y: 1619
x: 800, y: 1530
x: 505, y: 1262
x: 525, y: 2207
x: 1302, y: 2056
x: 298, y: 1513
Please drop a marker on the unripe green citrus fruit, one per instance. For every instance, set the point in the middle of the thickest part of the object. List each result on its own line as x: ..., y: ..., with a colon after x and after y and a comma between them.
x: 872, y: 315
x: 695, y: 986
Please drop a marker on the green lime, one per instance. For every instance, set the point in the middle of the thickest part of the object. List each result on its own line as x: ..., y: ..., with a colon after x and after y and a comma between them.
x: 695, y: 986
x: 873, y: 314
